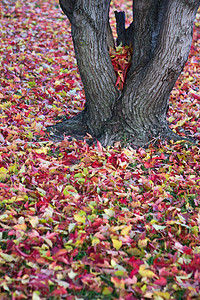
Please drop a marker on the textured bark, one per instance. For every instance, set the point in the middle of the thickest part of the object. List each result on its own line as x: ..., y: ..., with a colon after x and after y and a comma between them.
x: 147, y: 19
x: 146, y: 94
x: 89, y: 34
x: 144, y: 102
x: 161, y: 36
x: 68, y: 8
x: 109, y: 37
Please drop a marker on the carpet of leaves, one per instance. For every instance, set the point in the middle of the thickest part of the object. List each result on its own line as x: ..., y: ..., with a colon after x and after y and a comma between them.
x: 80, y: 222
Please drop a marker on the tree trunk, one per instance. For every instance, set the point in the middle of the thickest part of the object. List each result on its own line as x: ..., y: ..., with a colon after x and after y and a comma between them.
x: 90, y: 29
x: 161, y: 36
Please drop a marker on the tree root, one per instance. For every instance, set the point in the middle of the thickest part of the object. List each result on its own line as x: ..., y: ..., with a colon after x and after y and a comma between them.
x: 75, y: 128
x: 109, y: 138
x: 113, y: 133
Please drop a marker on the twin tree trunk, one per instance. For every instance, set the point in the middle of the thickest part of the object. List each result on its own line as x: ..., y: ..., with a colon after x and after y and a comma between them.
x: 161, y: 37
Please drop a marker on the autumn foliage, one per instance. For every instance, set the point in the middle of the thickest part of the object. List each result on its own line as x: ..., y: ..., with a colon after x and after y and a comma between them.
x: 121, y: 58
x: 79, y: 221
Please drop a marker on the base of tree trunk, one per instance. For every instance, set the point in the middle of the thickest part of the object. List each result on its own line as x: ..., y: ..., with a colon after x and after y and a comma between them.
x: 126, y: 138
x: 114, y: 133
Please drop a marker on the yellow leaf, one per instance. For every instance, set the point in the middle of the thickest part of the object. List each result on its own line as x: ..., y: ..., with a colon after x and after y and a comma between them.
x: 12, y: 168
x: 171, y: 119
x: 18, y: 4
x: 120, y: 273
x: 126, y: 230
x: 129, y: 152
x: 42, y: 150
x: 119, y: 283
x: 95, y: 241
x: 25, y: 279
x: 4, y: 216
x: 15, y: 199
x: 72, y: 274
x: 70, y: 190
x: 8, y: 257
x: 48, y: 212
x: 48, y: 242
x: 20, y: 227
x: 113, y: 263
x: 143, y: 288
x: 146, y: 273
x: 143, y: 243
x: 117, y: 244
x: 40, y: 69
x: 134, y: 252
x: 163, y: 295
x: 109, y: 212
x: 22, y: 170
x: 36, y: 295
x: 181, y: 122
x: 34, y: 221
x: 41, y: 191
x: 3, y: 174
x: 158, y: 227
x: 21, y: 220
x: 62, y: 283
x: 79, y: 218
x: 195, y: 230
x: 190, y: 78
x: 57, y: 82
x: 107, y: 290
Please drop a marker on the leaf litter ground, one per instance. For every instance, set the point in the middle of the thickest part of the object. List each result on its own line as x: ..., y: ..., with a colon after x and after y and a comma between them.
x: 80, y: 222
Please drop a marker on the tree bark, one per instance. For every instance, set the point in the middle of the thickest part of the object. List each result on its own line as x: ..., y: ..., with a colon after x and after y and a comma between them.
x: 90, y: 28
x: 145, y: 107
x: 161, y: 36
x: 158, y: 60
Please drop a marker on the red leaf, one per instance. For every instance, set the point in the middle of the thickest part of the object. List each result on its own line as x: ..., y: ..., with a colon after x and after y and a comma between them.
x: 118, y: 81
x: 99, y: 146
x: 161, y: 281
x: 60, y: 291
